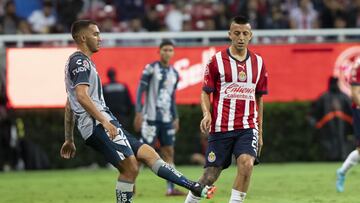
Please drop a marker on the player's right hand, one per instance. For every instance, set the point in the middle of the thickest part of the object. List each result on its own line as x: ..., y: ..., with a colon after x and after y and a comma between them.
x: 111, y: 129
x: 205, y: 123
x: 68, y: 150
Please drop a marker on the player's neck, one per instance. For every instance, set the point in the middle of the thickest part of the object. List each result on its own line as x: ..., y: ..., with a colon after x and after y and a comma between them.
x: 85, y: 51
x: 164, y: 63
x: 239, y: 55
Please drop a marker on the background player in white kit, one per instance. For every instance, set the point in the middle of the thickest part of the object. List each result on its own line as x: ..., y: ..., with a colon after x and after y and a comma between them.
x: 158, y: 118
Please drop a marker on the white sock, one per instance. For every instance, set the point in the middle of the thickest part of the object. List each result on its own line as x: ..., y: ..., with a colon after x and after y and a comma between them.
x: 237, y: 196
x: 350, y: 161
x: 190, y: 198
x: 124, y: 191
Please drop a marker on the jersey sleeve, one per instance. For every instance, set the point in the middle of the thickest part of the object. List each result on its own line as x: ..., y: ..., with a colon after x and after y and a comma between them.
x: 147, y: 74
x: 210, y: 75
x: 261, y: 86
x: 79, y: 70
x: 173, y: 107
x: 143, y: 86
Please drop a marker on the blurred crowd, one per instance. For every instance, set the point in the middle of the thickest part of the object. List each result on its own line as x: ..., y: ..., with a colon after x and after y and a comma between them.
x: 56, y: 16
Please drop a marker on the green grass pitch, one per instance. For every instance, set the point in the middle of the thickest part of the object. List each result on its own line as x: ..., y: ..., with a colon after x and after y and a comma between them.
x: 271, y: 183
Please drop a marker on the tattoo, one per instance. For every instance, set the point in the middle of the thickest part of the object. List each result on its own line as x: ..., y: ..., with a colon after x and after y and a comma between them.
x: 210, y: 175
x: 69, y: 122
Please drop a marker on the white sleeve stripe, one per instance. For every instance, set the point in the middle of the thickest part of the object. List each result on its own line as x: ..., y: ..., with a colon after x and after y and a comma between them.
x: 222, y: 80
x: 234, y: 74
x: 260, y: 64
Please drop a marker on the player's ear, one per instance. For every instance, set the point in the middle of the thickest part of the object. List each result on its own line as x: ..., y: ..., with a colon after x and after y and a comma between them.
x: 229, y: 34
x: 82, y: 37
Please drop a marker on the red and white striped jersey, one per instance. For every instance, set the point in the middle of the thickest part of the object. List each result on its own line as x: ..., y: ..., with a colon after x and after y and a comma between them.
x: 234, y: 85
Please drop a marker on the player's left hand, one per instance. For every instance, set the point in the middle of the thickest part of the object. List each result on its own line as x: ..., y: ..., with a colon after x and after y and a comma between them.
x: 176, y: 125
x: 68, y: 150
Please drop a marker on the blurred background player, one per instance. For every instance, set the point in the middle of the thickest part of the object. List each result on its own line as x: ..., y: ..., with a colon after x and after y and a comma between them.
x: 331, y: 115
x: 100, y: 129
x: 237, y: 78
x: 158, y: 118
x: 117, y: 98
x: 354, y: 157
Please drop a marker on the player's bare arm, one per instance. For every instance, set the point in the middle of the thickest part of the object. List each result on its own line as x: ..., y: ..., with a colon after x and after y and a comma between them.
x: 138, y: 121
x: 176, y: 124
x: 86, y: 102
x: 205, y: 107
x: 68, y: 149
x: 355, y: 92
x: 259, y: 103
x: 69, y: 122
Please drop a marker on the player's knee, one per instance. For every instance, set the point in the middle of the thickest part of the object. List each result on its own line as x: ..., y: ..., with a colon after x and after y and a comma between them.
x: 246, y: 165
x: 147, y: 155
x: 129, y: 169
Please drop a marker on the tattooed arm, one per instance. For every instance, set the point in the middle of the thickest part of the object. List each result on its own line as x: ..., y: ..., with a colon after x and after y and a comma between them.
x: 68, y: 149
x: 69, y: 122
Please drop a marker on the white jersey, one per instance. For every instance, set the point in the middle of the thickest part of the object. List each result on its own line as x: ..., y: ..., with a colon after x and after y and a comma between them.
x: 79, y: 69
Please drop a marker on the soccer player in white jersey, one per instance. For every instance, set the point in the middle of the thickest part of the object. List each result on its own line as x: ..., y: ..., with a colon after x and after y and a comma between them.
x: 354, y: 157
x: 237, y: 79
x: 100, y: 129
x: 158, y: 118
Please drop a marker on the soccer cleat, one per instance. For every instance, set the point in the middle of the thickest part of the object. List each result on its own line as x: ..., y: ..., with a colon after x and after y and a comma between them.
x: 208, y: 192
x: 175, y: 192
x: 203, y: 191
x: 340, y: 179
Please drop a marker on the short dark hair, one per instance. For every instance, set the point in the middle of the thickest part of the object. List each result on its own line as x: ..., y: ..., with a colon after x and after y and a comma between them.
x: 47, y: 3
x: 79, y: 25
x: 165, y: 43
x: 240, y: 20
x: 9, y: 3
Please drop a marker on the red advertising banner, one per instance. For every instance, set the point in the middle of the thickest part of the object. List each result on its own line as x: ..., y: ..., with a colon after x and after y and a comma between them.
x: 35, y: 77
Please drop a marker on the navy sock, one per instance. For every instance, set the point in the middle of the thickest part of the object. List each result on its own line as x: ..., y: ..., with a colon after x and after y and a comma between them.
x: 164, y: 170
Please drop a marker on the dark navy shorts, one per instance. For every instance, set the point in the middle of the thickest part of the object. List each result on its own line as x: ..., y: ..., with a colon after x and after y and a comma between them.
x: 114, y: 151
x: 356, y: 125
x: 152, y: 130
x: 221, y: 146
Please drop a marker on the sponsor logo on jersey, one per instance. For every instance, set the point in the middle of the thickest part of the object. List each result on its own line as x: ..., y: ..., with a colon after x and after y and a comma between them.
x: 211, y: 157
x: 242, y: 91
x: 83, y: 65
x: 86, y: 64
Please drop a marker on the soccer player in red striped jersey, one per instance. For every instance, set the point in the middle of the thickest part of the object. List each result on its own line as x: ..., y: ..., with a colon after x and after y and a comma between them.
x: 354, y: 157
x: 236, y: 78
